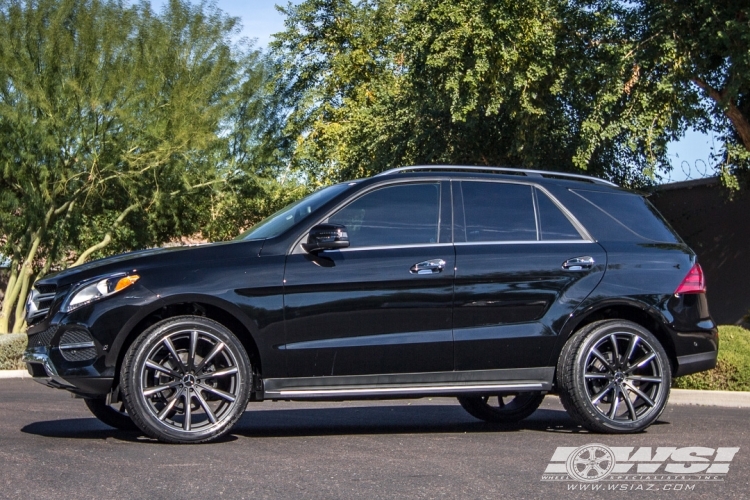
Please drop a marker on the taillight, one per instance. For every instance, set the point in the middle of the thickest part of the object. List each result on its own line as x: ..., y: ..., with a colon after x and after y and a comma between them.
x: 693, y: 282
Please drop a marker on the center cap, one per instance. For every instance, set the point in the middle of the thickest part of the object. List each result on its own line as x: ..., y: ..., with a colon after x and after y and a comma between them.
x: 188, y: 380
x: 619, y: 377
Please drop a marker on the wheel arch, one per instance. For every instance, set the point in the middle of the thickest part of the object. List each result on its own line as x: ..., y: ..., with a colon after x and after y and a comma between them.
x: 218, y: 310
x: 630, y: 310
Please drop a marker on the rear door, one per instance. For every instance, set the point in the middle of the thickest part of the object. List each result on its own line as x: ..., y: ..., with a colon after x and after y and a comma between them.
x: 523, y: 264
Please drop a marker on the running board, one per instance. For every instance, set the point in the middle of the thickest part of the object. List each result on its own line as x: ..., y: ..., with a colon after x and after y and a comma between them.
x: 482, y: 382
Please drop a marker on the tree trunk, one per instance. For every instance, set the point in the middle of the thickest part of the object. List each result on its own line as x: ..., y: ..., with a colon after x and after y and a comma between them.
x: 8, y: 300
x: 739, y: 121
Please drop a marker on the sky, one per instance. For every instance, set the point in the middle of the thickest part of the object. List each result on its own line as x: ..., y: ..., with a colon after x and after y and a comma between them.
x: 260, y: 20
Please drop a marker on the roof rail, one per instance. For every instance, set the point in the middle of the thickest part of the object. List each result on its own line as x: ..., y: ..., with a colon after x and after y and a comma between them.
x: 502, y: 170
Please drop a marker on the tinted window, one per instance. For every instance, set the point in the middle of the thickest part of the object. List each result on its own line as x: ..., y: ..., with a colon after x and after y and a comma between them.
x: 632, y: 213
x: 290, y: 215
x: 394, y: 215
x: 495, y: 211
x: 553, y: 224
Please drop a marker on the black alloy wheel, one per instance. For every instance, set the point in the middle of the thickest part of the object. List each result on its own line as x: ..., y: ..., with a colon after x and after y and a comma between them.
x: 504, y: 408
x: 186, y: 380
x: 614, y: 376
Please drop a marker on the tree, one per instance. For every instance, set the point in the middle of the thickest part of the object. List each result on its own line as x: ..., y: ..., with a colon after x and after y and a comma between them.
x: 113, y: 121
x: 698, y: 50
x: 542, y: 84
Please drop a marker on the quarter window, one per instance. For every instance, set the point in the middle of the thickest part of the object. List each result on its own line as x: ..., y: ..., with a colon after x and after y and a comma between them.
x: 404, y: 214
x: 553, y: 224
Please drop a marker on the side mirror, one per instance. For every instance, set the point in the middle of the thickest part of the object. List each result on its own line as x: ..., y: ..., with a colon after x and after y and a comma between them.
x: 326, y: 237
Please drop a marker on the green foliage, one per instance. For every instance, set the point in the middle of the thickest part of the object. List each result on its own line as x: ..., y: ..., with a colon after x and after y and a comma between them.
x: 11, y: 351
x: 595, y: 85
x: 116, y: 123
x: 378, y: 84
x: 698, y: 53
x: 733, y: 370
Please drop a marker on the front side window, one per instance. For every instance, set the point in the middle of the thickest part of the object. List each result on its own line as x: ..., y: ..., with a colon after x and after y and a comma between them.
x: 404, y: 214
x: 495, y: 211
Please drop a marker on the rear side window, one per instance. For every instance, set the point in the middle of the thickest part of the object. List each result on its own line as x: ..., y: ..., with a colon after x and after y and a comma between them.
x: 496, y: 211
x: 632, y: 213
x: 553, y: 224
x: 395, y: 215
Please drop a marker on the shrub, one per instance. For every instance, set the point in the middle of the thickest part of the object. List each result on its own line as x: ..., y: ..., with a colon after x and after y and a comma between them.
x: 732, y: 372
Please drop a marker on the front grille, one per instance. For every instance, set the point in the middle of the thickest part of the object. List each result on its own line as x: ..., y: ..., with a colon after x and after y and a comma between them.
x: 46, y: 289
x: 77, y: 345
x: 39, y: 302
x: 43, y: 339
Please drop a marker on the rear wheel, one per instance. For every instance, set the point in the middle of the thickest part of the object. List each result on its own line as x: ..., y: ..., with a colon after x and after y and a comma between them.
x: 502, y: 408
x: 113, y: 415
x: 186, y: 380
x: 614, y: 376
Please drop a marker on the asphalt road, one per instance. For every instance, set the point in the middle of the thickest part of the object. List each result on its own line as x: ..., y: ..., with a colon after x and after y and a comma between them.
x: 51, y: 447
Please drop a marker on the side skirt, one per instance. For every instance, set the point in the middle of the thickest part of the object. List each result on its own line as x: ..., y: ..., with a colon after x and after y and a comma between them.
x: 410, y: 385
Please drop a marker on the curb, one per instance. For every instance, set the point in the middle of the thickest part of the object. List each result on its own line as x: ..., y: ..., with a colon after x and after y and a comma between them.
x: 726, y: 399
x: 14, y: 374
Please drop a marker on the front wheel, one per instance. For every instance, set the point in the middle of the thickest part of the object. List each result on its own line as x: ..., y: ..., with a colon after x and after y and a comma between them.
x: 186, y: 380
x: 614, y: 377
x: 502, y: 408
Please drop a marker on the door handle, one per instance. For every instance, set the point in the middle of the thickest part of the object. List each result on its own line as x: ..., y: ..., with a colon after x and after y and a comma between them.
x: 578, y: 263
x: 428, y: 267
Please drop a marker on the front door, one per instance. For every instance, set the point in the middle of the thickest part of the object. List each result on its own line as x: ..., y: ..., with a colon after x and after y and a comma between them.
x: 516, y: 277
x: 367, y: 309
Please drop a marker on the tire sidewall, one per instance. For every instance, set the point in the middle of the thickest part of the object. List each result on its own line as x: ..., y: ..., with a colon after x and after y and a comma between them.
x: 579, y: 384
x: 136, y: 357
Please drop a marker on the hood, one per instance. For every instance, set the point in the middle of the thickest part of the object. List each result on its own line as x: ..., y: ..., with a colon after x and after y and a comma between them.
x: 134, y: 261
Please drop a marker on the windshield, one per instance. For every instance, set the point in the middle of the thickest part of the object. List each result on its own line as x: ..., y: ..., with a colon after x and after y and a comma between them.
x: 291, y: 214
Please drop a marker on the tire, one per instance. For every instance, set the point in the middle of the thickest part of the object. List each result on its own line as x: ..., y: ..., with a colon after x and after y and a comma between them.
x: 614, y: 377
x: 186, y: 380
x: 511, y: 408
x: 113, y: 417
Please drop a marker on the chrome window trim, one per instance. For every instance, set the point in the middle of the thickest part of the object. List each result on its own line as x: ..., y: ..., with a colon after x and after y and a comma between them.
x: 389, y: 247
x: 296, y: 248
x: 521, y: 242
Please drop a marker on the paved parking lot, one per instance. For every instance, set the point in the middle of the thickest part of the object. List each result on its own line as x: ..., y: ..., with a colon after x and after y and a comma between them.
x: 50, y: 447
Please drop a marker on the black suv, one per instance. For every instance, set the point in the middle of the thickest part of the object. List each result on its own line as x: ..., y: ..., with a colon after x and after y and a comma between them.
x: 494, y: 285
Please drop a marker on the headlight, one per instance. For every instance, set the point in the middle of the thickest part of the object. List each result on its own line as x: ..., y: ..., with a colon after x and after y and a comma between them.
x: 98, y: 290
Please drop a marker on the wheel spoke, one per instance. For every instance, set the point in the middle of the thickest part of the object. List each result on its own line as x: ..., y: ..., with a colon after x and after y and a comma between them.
x: 643, y: 378
x: 639, y: 363
x: 153, y: 390
x: 218, y: 392
x: 631, y: 349
x: 188, y: 411
x: 629, y: 404
x: 602, y: 393
x: 173, y: 352
x: 500, y: 402
x: 170, y: 405
x: 615, y: 351
x: 640, y: 393
x: 206, y: 408
x: 596, y: 375
x: 602, y: 358
x: 193, y: 346
x: 220, y: 373
x: 615, y: 403
x: 163, y: 369
x: 216, y: 350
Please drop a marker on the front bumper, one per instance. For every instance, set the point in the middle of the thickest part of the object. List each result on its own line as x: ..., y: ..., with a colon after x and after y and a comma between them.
x: 84, y: 381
